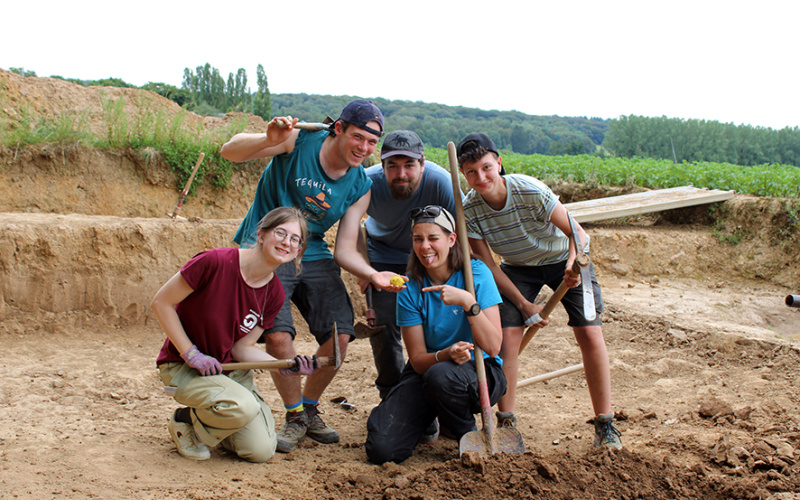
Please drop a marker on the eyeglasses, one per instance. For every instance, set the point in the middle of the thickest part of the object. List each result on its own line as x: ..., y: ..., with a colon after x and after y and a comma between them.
x: 342, y: 401
x: 281, y: 234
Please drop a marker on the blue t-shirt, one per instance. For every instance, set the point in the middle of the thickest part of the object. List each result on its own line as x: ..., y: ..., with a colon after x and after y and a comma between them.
x: 445, y: 325
x: 389, y: 225
x: 297, y: 179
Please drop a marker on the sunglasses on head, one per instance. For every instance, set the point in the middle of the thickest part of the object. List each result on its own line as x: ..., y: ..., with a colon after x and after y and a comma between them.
x: 429, y: 211
x: 432, y: 212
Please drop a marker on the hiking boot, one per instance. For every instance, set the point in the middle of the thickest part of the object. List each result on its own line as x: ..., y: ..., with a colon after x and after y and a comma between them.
x: 605, y: 433
x: 431, y: 434
x: 317, y: 430
x: 444, y: 431
x: 293, y: 431
x: 187, y: 442
x: 506, y: 419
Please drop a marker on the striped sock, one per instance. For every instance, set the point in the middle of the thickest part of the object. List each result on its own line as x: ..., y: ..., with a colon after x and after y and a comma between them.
x: 311, y: 402
x: 295, y: 407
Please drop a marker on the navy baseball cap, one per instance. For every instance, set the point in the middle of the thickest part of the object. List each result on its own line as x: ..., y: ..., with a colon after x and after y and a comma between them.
x: 361, y: 112
x: 402, y: 142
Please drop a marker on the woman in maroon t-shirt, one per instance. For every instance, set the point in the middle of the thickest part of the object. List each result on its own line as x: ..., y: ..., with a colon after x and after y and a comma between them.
x: 213, y: 311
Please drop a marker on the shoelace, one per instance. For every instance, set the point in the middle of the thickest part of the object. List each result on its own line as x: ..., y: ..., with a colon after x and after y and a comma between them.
x: 608, y: 432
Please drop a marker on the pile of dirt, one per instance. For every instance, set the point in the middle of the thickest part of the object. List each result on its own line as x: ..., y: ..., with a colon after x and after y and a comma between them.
x: 596, y: 474
x: 703, y: 351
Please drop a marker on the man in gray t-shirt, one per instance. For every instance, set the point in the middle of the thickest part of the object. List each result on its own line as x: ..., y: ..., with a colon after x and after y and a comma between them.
x: 402, y: 182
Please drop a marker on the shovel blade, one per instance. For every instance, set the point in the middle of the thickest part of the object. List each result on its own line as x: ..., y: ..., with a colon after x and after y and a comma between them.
x: 364, y: 331
x: 501, y: 440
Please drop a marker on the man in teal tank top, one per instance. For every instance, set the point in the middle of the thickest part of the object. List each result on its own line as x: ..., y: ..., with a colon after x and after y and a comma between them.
x: 320, y: 173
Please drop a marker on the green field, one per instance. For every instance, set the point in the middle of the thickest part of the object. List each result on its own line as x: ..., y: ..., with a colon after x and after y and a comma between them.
x: 761, y: 180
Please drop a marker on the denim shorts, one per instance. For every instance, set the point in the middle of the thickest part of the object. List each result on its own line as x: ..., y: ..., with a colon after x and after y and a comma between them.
x: 530, y: 280
x: 321, y: 297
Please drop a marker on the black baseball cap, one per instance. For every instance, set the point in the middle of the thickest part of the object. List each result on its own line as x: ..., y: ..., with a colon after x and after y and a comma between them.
x: 482, y: 140
x: 475, y: 140
x: 361, y: 112
x: 402, y: 142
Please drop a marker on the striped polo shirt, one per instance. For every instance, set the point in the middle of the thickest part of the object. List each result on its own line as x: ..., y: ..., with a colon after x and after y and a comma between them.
x: 521, y: 232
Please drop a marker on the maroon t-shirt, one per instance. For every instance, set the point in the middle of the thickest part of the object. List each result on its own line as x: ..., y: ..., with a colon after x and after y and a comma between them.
x: 223, y: 308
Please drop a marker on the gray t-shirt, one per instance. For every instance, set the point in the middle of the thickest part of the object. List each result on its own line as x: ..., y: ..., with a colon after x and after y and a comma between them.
x: 389, y: 225
x: 521, y: 232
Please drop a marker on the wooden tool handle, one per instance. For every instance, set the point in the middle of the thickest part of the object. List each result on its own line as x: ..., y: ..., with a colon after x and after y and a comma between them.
x: 551, y: 304
x: 188, y: 185
x: 550, y: 375
x: 305, y: 125
x: 275, y: 364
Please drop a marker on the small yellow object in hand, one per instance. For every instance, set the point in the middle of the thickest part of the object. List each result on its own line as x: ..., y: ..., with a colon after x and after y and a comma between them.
x: 397, y: 280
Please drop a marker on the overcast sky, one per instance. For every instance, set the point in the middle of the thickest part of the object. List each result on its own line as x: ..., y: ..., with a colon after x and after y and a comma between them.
x: 730, y: 61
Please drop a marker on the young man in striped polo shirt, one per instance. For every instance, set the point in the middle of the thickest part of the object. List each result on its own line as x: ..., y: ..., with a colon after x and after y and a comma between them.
x: 520, y: 219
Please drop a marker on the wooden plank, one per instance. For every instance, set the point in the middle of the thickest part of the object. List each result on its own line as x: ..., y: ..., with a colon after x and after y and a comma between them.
x: 644, y: 202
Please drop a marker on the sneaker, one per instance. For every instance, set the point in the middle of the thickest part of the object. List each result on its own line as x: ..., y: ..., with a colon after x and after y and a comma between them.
x: 605, y: 433
x: 293, y: 431
x: 431, y: 434
x: 506, y: 419
x: 317, y: 430
x: 187, y: 442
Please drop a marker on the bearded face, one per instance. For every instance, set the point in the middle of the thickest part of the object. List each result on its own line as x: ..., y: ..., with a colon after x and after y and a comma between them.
x: 403, y: 175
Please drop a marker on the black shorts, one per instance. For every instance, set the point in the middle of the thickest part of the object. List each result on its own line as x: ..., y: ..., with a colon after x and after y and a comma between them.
x: 530, y: 280
x: 321, y: 297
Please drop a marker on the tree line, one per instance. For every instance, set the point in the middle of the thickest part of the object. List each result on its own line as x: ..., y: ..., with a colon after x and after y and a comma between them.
x: 205, y: 91
x: 700, y: 140
x: 436, y: 124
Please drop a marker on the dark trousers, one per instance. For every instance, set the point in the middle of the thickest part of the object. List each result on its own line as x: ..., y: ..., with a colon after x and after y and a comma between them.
x: 446, y: 390
x: 387, y: 345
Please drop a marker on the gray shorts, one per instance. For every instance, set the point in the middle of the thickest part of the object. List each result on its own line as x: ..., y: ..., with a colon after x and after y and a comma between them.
x: 320, y: 296
x: 530, y: 280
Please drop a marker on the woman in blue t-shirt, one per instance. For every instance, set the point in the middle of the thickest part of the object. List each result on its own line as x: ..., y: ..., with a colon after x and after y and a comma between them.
x: 439, y: 320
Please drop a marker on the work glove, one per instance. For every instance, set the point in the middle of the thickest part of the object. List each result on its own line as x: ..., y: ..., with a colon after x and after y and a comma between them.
x: 206, y: 365
x: 304, y: 365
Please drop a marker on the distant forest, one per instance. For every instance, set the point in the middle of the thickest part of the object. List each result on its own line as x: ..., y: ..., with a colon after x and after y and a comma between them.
x: 699, y: 140
x: 437, y: 124
x: 205, y: 91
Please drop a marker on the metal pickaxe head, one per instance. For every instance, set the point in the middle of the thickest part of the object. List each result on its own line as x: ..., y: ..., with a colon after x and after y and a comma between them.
x: 583, y: 262
x: 336, y: 354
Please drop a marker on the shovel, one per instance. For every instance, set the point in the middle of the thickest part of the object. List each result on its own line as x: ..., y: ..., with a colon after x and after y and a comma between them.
x: 370, y: 328
x: 491, y: 439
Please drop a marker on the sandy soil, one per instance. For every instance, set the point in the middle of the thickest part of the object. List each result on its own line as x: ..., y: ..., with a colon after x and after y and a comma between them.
x: 704, y: 354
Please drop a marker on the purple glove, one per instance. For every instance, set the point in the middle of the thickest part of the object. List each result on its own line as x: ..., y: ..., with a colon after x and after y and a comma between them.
x: 304, y: 365
x: 206, y: 365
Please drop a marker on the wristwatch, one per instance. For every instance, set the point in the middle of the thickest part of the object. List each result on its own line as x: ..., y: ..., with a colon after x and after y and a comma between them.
x: 474, y: 310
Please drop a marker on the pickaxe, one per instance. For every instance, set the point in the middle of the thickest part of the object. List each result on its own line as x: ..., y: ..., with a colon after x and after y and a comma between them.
x: 579, y: 267
x: 309, y: 125
x: 276, y: 364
